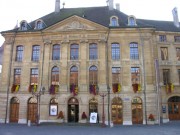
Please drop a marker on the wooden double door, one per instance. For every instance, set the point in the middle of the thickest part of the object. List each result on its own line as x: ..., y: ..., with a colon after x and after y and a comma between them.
x: 14, y: 110
x: 32, y: 110
x: 137, y: 115
x: 174, y: 110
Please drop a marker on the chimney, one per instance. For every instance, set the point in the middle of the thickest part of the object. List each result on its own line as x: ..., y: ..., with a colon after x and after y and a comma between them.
x: 111, y: 4
x: 117, y: 6
x: 175, y: 17
x: 57, y: 6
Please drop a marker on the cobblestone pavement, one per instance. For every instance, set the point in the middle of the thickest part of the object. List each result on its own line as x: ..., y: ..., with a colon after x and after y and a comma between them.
x: 171, y: 128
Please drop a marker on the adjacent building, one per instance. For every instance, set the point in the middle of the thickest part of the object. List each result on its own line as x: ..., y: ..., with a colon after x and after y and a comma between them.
x: 94, y: 59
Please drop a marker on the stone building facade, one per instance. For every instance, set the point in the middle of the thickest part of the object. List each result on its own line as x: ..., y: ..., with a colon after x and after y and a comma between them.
x: 79, y: 56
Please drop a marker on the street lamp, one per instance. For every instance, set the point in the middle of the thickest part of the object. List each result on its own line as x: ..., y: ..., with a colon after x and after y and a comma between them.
x: 103, y: 115
x: 38, y: 96
x: 108, y: 90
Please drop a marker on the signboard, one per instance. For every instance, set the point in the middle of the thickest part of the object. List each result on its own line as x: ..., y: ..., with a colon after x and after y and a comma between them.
x: 53, y: 110
x: 163, y: 109
x: 93, y: 117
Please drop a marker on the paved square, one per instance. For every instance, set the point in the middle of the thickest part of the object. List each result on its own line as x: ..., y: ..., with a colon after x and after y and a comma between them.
x: 171, y: 128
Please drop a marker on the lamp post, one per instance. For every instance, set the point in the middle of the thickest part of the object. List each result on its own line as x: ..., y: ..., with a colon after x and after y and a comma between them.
x: 38, y: 95
x: 108, y: 90
x: 103, y: 115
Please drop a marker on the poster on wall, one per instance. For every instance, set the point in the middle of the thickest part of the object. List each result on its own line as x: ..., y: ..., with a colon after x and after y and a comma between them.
x: 93, y: 117
x: 53, y: 110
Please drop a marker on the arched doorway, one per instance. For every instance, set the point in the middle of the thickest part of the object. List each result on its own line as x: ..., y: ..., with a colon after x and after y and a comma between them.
x: 174, y: 108
x: 137, y: 112
x: 73, y: 110
x: 116, y: 111
x: 32, y: 110
x: 14, y: 110
x: 93, y: 106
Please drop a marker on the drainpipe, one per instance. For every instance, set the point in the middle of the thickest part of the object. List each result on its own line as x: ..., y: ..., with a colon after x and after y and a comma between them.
x: 9, y: 77
x: 107, y: 76
x: 144, y: 74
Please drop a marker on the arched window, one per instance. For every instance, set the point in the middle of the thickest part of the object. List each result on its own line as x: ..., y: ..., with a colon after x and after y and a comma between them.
x: 53, y: 107
x: 93, y: 51
x: 115, y: 51
x: 19, y: 53
x: 74, y: 80
x: 134, y: 53
x: 35, y: 53
x: 114, y: 21
x: 56, y: 52
x: 23, y: 26
x: 93, y: 80
x: 74, y: 52
x: 131, y: 21
x: 39, y: 25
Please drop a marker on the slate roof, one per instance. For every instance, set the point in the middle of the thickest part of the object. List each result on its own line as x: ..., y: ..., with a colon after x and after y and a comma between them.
x: 101, y: 15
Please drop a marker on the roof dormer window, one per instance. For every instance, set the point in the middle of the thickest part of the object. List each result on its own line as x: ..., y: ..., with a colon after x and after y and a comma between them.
x: 114, y: 21
x: 132, y: 21
x: 23, y: 26
x: 39, y: 24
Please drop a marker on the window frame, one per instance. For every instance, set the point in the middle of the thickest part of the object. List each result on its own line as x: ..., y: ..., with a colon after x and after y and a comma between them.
x: 132, y: 21
x: 166, y: 76
x: 35, y: 53
x: 115, y: 51
x: 134, y: 51
x: 17, y: 76
x: 19, y: 53
x: 34, y: 74
x: 93, y: 51
x: 162, y: 38
x: 135, y: 74
x: 56, y: 52
x: 93, y: 70
x: 114, y: 21
x: 55, y: 72
x: 74, y: 52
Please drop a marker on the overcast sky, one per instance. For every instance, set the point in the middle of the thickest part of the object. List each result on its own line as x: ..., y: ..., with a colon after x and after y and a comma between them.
x: 12, y: 11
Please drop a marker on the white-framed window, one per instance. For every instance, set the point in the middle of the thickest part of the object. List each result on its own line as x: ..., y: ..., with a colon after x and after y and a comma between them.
x: 23, y: 25
x: 114, y: 21
x: 132, y: 21
x: 39, y: 24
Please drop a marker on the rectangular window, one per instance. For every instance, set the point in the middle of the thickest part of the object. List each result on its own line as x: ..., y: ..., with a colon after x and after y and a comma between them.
x: 164, y: 53
x: 17, y: 76
x: 93, y: 52
x: 19, y: 53
x: 162, y: 38
x: 166, y: 76
x: 74, y: 52
x: 116, y: 75
x: 35, y: 53
x: 34, y: 76
x: 178, y: 54
x: 134, y: 54
x: 115, y: 51
x: 176, y: 38
x: 135, y: 75
x: 56, y: 52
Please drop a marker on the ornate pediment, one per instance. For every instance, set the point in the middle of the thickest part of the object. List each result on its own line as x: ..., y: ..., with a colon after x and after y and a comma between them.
x: 74, y: 23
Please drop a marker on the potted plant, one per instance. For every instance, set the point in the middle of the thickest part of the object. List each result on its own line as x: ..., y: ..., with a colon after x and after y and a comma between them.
x: 60, y: 117
x: 83, y: 118
x: 151, y: 119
